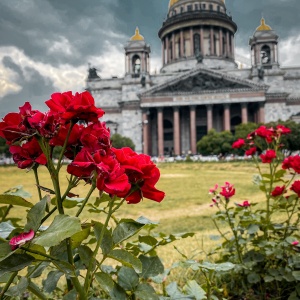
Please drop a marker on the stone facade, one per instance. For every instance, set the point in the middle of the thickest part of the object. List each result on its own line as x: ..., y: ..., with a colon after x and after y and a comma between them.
x: 199, y: 86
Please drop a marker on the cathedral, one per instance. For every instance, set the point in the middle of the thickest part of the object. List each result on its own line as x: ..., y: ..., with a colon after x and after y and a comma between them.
x: 199, y: 86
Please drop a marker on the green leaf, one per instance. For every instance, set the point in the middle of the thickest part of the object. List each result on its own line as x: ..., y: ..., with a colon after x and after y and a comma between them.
x: 4, y: 278
x: 152, y: 266
x: 18, y: 191
x: 5, y: 250
x: 107, y: 241
x: 296, y: 274
x: 37, y: 270
x: 253, y: 228
x: 147, y: 239
x: 14, y: 200
x: 105, y: 282
x: 193, y: 289
x: 280, y: 173
x: 19, y: 288
x: 104, y: 198
x: 72, y: 202
x: 85, y: 254
x: 218, y: 267
x: 173, y: 292
x: 62, y: 227
x: 5, y: 229
x: 15, y: 262
x: 128, y: 279
x: 127, y: 259
x: 253, y: 278
x: 79, y: 237
x: 50, y: 283
x: 145, y: 291
x: 125, y: 229
x: 145, y: 221
x: 36, y: 214
x: 65, y: 267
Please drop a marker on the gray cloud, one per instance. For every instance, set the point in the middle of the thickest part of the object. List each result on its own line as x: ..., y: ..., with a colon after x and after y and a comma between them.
x: 51, y: 41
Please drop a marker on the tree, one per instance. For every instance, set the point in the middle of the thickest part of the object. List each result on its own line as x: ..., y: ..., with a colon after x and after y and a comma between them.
x: 119, y: 141
x: 242, y: 130
x: 4, y: 148
x: 215, y: 143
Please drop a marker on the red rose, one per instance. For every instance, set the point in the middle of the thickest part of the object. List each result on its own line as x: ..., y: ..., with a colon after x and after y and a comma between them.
x: 281, y: 129
x: 142, y: 173
x: 278, y: 190
x: 81, y: 106
x: 214, y: 189
x: 110, y: 176
x: 227, y: 190
x: 28, y: 154
x: 246, y: 203
x: 96, y: 137
x: 292, y: 162
x: 251, y: 151
x: 266, y: 133
x: 47, y: 124
x: 238, y: 144
x: 21, y: 239
x: 268, y: 156
x: 296, y: 187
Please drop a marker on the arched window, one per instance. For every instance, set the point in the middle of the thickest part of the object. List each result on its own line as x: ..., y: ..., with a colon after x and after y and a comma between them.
x: 197, y: 44
x: 265, y: 54
x: 136, y: 64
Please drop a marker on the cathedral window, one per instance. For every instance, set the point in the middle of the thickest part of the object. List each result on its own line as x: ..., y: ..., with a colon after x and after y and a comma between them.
x: 136, y: 64
x: 211, y: 7
x: 181, y: 9
x: 265, y: 54
x: 204, y: 6
x: 189, y: 7
x: 196, y: 6
x: 197, y: 44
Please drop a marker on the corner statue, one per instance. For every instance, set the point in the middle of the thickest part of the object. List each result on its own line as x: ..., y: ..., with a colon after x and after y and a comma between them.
x: 92, y: 73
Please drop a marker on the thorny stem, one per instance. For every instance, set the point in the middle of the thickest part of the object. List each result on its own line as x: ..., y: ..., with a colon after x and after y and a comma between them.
x: 9, y: 207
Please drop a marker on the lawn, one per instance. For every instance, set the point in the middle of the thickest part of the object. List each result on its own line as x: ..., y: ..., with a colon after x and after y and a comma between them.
x: 186, y: 206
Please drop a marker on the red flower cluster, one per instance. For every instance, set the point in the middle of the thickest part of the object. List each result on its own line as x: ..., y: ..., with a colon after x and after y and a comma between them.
x: 238, y: 144
x: 278, y: 191
x: 227, y: 190
x: 123, y: 172
x: 268, y: 134
x: 296, y: 187
x: 292, y: 162
x: 268, y: 156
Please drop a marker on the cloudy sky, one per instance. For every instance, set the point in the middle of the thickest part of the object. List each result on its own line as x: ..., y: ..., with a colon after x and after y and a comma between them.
x: 46, y: 45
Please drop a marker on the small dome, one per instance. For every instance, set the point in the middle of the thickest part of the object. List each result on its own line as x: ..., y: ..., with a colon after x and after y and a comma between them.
x: 137, y: 36
x: 263, y: 26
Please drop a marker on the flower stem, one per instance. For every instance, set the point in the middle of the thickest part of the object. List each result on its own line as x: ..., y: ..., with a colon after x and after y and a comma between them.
x: 61, y: 155
x: 85, y: 200
x: 88, y: 277
x: 37, y: 181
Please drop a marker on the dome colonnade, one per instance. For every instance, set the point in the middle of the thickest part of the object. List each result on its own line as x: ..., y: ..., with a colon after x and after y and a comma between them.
x: 197, y: 28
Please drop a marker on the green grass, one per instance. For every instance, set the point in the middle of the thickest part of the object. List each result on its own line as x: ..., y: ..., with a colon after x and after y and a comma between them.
x: 186, y: 206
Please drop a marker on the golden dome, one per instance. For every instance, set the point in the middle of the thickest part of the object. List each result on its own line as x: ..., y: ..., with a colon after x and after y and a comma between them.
x: 137, y: 36
x: 263, y: 26
x: 172, y: 2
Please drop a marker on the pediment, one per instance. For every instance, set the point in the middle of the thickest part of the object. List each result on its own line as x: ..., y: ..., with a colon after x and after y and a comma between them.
x: 204, y: 81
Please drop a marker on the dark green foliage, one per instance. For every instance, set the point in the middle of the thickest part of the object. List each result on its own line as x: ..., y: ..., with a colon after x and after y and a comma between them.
x: 4, y: 148
x: 215, y: 143
x: 119, y: 141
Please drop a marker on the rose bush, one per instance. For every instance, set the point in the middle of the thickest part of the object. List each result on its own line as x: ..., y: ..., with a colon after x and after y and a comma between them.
x: 67, y: 246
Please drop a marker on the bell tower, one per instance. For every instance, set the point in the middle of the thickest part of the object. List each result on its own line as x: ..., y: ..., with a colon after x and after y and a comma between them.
x: 137, y: 59
x: 264, y: 49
